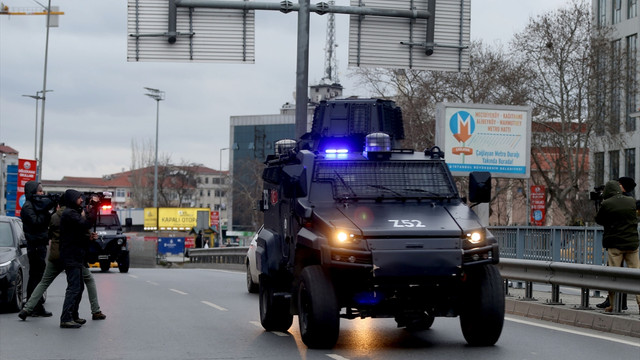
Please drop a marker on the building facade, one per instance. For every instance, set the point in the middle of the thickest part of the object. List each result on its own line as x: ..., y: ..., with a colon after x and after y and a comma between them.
x: 616, y: 150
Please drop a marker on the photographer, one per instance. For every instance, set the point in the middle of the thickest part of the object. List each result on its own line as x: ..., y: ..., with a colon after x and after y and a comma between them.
x: 618, y: 217
x: 35, y: 215
x: 75, y: 223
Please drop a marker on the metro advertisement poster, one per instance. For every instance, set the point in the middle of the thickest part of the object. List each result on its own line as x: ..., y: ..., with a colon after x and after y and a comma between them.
x: 493, y: 138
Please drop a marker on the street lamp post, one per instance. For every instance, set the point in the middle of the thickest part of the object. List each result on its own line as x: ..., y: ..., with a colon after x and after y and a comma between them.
x: 35, y: 138
x: 220, y: 205
x: 156, y: 95
x: 44, y: 91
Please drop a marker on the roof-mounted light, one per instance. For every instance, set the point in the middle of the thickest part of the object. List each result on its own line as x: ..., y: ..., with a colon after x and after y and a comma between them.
x: 377, y: 146
x: 284, y: 145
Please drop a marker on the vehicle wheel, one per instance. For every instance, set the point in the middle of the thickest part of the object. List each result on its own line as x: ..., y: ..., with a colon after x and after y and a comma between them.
x: 319, y: 315
x: 105, y: 265
x: 251, y: 286
x: 274, y: 311
x: 17, y: 301
x: 482, y: 313
x: 123, y: 263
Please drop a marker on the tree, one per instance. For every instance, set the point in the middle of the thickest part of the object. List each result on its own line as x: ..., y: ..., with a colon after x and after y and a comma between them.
x: 562, y: 51
x: 246, y: 193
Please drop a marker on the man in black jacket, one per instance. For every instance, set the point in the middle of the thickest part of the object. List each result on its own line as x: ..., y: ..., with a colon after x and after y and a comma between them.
x: 74, y: 242
x: 35, y: 215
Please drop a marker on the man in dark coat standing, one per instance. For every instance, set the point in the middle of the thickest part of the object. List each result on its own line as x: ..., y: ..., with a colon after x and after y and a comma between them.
x: 617, y: 215
x: 74, y: 242
x: 35, y: 215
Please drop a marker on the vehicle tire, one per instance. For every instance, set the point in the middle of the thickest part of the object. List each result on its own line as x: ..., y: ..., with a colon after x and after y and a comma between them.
x: 123, y: 263
x: 105, y: 265
x: 482, y: 312
x: 251, y: 286
x: 274, y: 310
x: 18, y: 299
x: 319, y: 315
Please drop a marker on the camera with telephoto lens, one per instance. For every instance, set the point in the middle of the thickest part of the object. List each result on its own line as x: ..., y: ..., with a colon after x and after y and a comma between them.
x: 596, y: 194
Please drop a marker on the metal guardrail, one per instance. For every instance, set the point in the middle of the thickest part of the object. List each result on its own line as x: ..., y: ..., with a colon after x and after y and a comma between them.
x: 220, y: 255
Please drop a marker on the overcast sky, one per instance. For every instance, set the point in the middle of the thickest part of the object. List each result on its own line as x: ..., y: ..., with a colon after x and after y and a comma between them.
x: 98, y: 107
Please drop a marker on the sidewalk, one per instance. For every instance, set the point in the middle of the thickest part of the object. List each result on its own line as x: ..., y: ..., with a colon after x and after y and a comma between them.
x: 570, y: 312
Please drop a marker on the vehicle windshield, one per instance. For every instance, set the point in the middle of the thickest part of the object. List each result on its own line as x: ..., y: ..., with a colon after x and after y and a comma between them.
x: 107, y: 220
x: 386, y: 179
x: 6, y: 235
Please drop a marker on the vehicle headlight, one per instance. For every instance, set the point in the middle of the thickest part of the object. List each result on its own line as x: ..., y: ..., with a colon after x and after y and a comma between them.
x: 345, y: 238
x: 475, y: 238
x: 4, y: 267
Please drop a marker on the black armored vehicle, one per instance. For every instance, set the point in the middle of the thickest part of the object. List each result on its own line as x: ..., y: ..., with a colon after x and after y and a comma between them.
x: 111, y: 245
x: 354, y: 228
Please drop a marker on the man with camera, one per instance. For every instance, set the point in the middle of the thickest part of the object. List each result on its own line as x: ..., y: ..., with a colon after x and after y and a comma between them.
x: 35, y: 215
x: 75, y: 222
x: 617, y: 215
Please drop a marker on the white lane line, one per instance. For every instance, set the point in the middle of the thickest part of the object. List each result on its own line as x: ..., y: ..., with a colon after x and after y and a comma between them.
x: 133, y: 276
x: 179, y: 292
x: 337, y: 357
x: 152, y: 283
x: 214, y: 305
x: 576, y: 332
x: 278, y: 333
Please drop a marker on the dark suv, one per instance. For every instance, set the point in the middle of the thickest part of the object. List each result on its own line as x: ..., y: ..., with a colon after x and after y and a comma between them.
x: 354, y: 228
x: 111, y: 245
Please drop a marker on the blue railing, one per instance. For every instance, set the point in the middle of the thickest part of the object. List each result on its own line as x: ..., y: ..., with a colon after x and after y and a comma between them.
x: 570, y: 244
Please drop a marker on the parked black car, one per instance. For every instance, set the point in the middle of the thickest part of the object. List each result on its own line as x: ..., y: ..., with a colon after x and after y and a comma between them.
x: 111, y: 245
x: 14, y: 264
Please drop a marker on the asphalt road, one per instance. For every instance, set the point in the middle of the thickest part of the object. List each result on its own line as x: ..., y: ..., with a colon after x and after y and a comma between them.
x: 208, y: 314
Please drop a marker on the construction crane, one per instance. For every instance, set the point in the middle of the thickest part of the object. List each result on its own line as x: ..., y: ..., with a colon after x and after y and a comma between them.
x: 5, y: 10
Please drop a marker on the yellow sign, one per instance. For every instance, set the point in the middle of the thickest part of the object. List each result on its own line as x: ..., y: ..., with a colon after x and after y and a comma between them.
x: 172, y: 218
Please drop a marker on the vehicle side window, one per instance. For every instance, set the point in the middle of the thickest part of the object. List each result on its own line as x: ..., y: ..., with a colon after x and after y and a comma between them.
x: 6, y: 234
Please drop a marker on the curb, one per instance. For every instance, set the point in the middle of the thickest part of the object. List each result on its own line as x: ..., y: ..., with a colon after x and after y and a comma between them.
x: 628, y: 325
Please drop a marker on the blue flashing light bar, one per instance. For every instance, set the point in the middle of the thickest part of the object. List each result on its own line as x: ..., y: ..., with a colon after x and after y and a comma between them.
x: 336, y: 151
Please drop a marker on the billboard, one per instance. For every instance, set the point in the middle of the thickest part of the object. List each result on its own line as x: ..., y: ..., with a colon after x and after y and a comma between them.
x: 493, y: 138
x: 26, y: 172
x: 172, y: 218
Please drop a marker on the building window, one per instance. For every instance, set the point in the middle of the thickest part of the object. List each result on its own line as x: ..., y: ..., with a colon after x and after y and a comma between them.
x: 630, y: 162
x: 614, y: 164
x: 632, y: 9
x: 120, y: 193
x: 206, y: 180
x: 599, y: 169
x: 602, y: 12
x: 616, y: 91
x: 219, y: 193
x: 632, y: 87
x: 617, y: 11
x: 208, y: 192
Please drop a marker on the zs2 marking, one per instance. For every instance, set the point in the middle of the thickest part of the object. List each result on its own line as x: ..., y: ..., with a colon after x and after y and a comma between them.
x: 407, y: 223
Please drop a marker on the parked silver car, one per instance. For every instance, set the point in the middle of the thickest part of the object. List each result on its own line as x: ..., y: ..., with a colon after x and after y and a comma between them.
x: 14, y: 264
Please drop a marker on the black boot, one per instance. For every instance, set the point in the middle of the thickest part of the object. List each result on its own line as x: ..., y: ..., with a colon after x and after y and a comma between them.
x: 40, y: 311
x: 604, y: 304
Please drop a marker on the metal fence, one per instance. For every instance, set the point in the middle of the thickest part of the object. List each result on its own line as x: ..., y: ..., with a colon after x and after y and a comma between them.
x: 569, y: 244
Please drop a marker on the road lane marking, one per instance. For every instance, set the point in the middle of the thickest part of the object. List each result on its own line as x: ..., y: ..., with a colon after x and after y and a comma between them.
x: 279, y: 333
x: 214, y: 305
x: 576, y: 332
x: 152, y: 283
x: 337, y: 357
x: 133, y: 276
x: 256, y: 323
x: 179, y: 292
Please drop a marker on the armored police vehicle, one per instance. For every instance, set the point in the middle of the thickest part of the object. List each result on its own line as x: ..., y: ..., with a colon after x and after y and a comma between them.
x: 354, y: 228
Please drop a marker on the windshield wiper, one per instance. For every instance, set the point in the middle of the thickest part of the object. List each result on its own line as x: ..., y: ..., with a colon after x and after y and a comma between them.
x: 387, y: 189
x: 345, y: 184
x: 431, y: 193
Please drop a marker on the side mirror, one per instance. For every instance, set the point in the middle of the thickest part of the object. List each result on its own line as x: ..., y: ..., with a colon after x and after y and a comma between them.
x: 295, y: 181
x: 480, y: 187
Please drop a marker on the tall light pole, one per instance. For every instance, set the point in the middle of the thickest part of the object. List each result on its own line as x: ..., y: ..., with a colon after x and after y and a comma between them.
x: 44, y: 91
x: 35, y: 136
x: 156, y: 95
x: 220, y: 205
